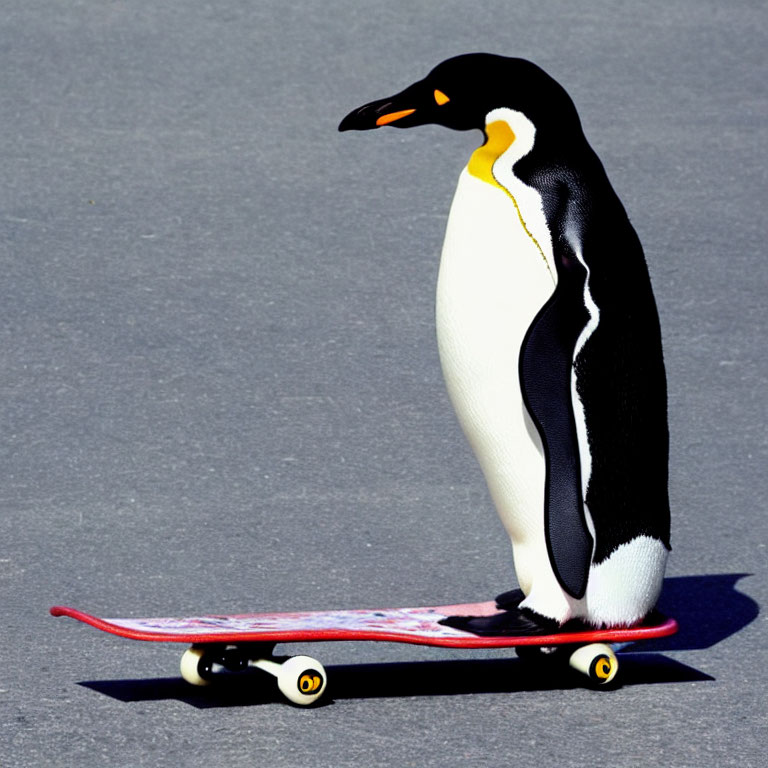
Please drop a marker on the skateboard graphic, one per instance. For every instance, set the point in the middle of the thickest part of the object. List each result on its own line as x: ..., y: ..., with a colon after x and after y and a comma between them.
x: 241, y: 641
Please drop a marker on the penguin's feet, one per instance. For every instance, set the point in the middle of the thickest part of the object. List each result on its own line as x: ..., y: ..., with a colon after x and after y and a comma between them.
x: 507, y: 600
x: 512, y: 622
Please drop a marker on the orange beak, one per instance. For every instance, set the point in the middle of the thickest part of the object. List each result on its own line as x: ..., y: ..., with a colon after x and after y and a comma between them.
x: 392, y: 116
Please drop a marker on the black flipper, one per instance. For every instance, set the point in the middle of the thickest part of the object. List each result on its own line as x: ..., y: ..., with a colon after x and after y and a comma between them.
x: 546, y: 367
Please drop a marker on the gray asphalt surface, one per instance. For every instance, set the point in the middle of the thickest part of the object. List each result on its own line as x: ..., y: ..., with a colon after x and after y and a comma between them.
x: 220, y: 389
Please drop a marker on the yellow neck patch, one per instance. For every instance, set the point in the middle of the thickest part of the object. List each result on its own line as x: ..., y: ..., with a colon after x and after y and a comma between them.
x: 500, y: 139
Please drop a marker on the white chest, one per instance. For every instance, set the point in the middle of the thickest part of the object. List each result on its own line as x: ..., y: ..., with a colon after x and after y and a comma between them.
x: 496, y: 272
x: 494, y: 275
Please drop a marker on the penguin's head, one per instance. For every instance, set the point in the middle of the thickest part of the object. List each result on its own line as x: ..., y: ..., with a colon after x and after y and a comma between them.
x: 462, y: 91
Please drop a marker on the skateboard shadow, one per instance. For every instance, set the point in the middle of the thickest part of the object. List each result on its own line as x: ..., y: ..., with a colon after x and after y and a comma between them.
x: 397, y: 680
x: 227, y: 692
x: 486, y: 676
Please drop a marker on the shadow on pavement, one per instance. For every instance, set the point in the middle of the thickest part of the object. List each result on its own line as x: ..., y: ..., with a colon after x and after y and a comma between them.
x: 708, y: 609
x: 431, y: 678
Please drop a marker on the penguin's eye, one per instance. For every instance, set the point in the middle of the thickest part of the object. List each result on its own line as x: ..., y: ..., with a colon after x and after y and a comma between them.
x: 441, y: 98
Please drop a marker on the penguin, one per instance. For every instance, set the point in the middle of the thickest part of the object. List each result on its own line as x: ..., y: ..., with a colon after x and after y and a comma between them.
x: 550, y: 345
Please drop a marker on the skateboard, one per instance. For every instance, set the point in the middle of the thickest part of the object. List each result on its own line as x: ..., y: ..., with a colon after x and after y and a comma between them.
x: 239, y: 642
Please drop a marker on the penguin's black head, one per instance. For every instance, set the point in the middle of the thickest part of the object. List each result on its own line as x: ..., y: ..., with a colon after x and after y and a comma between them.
x: 461, y: 91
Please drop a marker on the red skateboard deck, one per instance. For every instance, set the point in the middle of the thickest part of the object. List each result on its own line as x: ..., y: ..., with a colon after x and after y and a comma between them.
x: 403, y: 625
x: 257, y: 633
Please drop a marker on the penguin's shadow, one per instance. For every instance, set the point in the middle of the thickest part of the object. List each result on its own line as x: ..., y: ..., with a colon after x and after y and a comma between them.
x: 709, y: 609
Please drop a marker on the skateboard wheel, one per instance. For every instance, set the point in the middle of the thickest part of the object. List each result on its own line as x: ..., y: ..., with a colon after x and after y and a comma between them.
x: 597, y: 661
x: 196, y: 666
x: 302, y: 680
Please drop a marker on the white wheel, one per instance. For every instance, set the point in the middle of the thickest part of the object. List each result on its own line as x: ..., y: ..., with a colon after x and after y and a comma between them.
x: 196, y: 666
x: 597, y: 661
x: 301, y: 680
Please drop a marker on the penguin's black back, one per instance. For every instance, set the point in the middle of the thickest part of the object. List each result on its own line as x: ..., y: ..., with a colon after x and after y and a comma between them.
x: 620, y: 373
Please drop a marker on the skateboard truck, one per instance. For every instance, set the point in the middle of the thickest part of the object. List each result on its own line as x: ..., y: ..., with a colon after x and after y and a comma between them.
x: 301, y: 679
